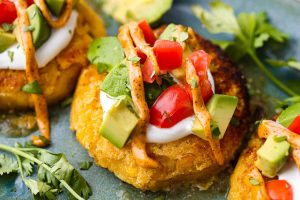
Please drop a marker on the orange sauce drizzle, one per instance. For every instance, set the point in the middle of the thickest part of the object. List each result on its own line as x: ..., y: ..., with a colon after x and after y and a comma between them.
x: 201, y: 112
x: 31, y: 69
x: 138, y: 98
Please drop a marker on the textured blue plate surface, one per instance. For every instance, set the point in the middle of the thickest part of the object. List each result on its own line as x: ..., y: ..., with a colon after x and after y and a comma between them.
x: 285, y: 14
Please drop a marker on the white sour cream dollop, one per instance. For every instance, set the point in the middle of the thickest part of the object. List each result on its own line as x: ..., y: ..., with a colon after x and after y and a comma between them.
x: 156, y: 134
x: 291, y: 174
x: 59, y: 39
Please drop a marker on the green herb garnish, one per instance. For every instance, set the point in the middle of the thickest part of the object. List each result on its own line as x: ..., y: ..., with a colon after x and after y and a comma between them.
x: 279, y: 138
x: 8, y: 27
x: 134, y: 59
x: 215, y: 129
x: 85, y: 165
x: 54, y: 175
x: 28, y: 28
x: 32, y: 88
x: 251, y: 31
x: 194, y: 83
x: 11, y: 55
x: 292, y: 63
x: 253, y: 181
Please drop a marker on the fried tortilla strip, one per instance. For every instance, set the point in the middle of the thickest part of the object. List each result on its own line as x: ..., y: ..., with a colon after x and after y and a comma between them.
x: 240, y: 181
x: 201, y: 111
x: 138, y: 97
x: 63, y: 18
x: 139, y: 41
x: 269, y: 127
x: 32, y: 74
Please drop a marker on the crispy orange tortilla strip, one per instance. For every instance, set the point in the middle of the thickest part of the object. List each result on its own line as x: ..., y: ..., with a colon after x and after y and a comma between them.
x: 138, y: 98
x: 32, y: 73
x: 62, y: 19
x: 201, y: 112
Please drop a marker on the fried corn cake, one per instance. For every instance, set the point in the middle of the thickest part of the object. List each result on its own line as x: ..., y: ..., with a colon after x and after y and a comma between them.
x: 59, y: 77
x: 184, y: 161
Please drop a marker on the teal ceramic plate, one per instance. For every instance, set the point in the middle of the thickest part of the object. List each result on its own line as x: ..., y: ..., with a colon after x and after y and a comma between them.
x: 284, y: 14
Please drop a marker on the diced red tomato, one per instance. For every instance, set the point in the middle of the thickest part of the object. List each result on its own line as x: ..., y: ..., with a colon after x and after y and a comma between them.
x: 279, y: 190
x: 168, y: 54
x: 201, y: 61
x: 147, y: 71
x: 295, y: 125
x: 8, y: 12
x: 29, y: 2
x: 141, y: 55
x: 172, y: 106
x: 148, y: 33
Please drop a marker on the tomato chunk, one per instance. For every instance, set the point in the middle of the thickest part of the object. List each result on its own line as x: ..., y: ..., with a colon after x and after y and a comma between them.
x: 168, y: 54
x: 147, y: 31
x: 295, y: 125
x: 141, y: 55
x: 172, y: 106
x: 201, y: 61
x: 8, y: 12
x: 279, y: 190
x: 148, y: 72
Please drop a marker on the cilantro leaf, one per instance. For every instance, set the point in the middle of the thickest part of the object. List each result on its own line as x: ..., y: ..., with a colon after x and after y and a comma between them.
x: 85, y: 165
x: 40, y: 190
x: 250, y: 31
x: 116, y: 83
x: 292, y: 63
x: 27, y: 165
x: 61, y: 169
x: 7, y: 165
x: 221, y: 19
x: 54, y: 172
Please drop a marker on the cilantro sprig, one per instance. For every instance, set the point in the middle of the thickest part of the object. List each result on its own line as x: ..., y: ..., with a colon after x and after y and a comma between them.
x: 251, y: 31
x: 54, y: 173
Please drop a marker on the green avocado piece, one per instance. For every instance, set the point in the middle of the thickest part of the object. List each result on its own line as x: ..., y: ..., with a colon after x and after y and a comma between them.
x: 116, y: 83
x: 55, y: 6
x: 288, y: 115
x: 105, y: 52
x: 272, y: 155
x: 221, y: 108
x: 135, y: 10
x: 119, y: 122
x: 6, y: 40
x: 39, y: 27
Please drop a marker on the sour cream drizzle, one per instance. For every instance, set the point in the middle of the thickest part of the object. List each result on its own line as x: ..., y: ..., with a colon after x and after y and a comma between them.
x: 155, y: 134
x: 59, y: 39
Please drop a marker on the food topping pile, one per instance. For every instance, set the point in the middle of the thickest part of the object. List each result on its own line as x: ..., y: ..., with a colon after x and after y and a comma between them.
x: 156, y: 84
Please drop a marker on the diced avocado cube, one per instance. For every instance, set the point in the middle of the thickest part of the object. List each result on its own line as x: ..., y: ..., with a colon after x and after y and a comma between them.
x: 289, y: 114
x: 272, y: 155
x: 221, y: 108
x: 119, y: 122
x: 55, y: 6
x: 39, y: 27
x: 6, y: 40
